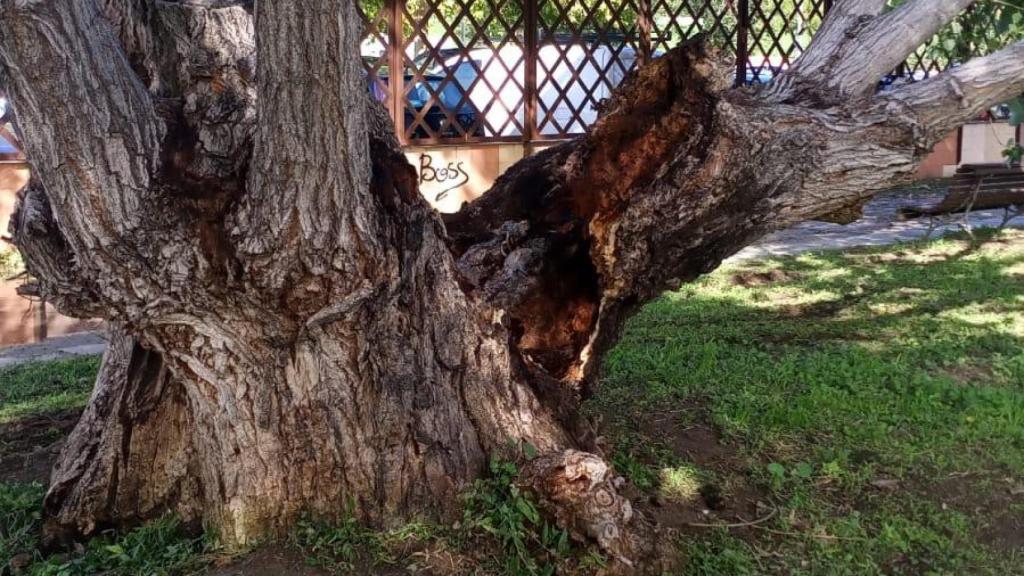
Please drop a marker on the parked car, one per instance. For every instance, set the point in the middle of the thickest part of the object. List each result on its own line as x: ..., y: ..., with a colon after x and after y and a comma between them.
x: 448, y: 111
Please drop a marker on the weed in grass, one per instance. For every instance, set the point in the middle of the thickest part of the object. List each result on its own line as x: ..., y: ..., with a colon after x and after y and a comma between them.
x: 497, y: 517
x: 680, y: 483
x: 20, y: 520
x: 531, y: 546
x: 11, y: 263
x: 336, y: 545
x: 159, y: 548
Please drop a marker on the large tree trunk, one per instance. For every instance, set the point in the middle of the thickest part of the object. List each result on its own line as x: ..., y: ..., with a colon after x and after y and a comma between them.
x: 297, y: 330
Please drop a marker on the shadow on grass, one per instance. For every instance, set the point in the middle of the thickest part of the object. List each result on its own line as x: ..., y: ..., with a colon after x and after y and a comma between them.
x: 853, y: 385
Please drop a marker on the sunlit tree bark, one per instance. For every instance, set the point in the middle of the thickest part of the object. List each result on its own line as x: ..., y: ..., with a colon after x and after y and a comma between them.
x: 296, y: 329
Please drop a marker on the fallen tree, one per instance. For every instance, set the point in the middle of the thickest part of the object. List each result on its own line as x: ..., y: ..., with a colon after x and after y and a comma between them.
x: 294, y: 328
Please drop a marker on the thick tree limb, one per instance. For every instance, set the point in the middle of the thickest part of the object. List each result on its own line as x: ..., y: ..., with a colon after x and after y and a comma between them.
x: 856, y: 47
x: 56, y: 276
x: 97, y: 155
x: 942, y: 103
x: 308, y: 197
x: 842, y: 21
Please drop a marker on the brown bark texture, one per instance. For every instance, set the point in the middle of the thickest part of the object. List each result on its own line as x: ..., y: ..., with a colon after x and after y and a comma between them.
x: 295, y: 329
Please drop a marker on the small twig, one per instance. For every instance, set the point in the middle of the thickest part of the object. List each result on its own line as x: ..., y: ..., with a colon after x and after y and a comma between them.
x: 966, y: 225
x: 822, y: 536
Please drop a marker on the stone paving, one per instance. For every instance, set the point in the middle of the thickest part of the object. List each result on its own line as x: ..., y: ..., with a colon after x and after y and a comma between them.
x: 80, y: 344
x: 880, y: 225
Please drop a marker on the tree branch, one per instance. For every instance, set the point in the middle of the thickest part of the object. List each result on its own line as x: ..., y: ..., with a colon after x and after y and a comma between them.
x: 943, y: 103
x: 95, y: 137
x: 856, y: 47
x: 56, y: 276
x: 311, y: 159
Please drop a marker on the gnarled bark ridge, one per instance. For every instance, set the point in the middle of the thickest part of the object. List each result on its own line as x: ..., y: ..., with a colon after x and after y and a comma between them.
x: 296, y: 329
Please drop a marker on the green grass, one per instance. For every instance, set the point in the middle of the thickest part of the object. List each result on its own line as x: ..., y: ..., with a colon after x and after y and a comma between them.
x: 20, y: 517
x: 159, y: 548
x: 832, y: 374
x: 41, y: 387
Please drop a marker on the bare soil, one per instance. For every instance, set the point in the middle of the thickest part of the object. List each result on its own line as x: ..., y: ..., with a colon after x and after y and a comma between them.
x: 754, y: 279
x: 729, y: 498
x: 268, y: 561
x: 992, y: 500
x: 29, y: 447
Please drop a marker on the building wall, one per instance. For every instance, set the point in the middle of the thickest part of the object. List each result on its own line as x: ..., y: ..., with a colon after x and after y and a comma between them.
x: 942, y: 162
x: 23, y: 320
x: 983, y: 143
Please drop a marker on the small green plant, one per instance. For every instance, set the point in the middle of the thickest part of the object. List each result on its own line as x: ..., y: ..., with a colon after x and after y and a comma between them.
x: 533, y: 547
x: 641, y: 475
x: 779, y: 476
x: 337, y: 546
x: 20, y: 517
x: 159, y: 548
x: 1013, y: 152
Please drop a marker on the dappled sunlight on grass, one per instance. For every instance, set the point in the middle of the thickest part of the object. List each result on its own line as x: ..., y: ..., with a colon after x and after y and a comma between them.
x: 877, y: 367
x: 679, y: 483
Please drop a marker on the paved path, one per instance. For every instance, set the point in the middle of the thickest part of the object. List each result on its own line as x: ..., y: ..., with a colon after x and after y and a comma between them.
x: 80, y: 344
x: 880, y: 226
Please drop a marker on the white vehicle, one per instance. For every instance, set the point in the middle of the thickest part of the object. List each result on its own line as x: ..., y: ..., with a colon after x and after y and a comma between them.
x: 572, y: 78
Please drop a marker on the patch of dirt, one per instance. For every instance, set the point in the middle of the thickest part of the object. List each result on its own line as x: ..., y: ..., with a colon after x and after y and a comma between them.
x: 29, y: 447
x: 278, y: 560
x: 970, y: 375
x: 267, y: 561
x: 824, y: 309
x: 753, y: 279
x: 989, y: 504
x: 420, y: 558
x: 729, y: 497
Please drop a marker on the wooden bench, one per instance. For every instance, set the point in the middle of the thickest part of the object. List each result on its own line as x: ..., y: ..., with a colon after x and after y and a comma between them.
x: 977, y: 187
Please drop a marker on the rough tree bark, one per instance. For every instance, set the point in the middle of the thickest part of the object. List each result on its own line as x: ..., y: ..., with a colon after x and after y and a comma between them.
x: 296, y: 329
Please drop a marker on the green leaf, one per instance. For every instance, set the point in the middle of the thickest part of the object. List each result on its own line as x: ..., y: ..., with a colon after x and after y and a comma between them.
x: 529, y: 451
x: 1016, y: 111
x: 777, y: 470
x: 527, y: 509
x: 803, y: 470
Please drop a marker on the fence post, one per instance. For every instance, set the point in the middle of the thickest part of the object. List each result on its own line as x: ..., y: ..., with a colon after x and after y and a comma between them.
x: 532, y: 57
x: 742, y: 33
x: 396, y: 66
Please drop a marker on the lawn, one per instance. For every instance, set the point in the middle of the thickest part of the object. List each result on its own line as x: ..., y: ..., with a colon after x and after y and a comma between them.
x: 868, y: 406
x: 837, y: 413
